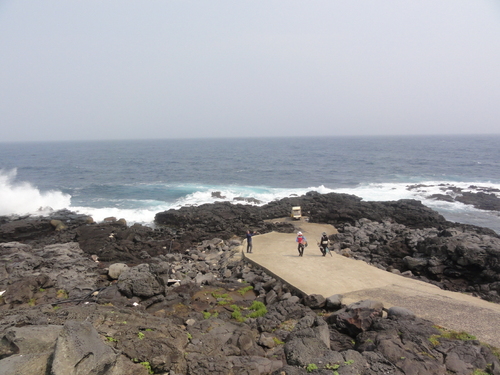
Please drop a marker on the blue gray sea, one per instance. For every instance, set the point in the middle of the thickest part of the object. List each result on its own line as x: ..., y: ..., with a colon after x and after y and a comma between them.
x: 136, y: 179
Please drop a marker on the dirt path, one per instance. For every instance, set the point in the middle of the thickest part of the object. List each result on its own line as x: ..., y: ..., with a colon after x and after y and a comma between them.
x: 356, y: 280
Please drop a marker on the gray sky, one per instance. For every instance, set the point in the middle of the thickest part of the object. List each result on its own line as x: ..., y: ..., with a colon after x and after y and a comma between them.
x: 181, y: 69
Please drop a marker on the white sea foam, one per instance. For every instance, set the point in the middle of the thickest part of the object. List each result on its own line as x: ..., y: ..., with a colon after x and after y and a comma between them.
x: 132, y: 216
x: 22, y: 198
x: 421, y: 191
x: 453, y: 211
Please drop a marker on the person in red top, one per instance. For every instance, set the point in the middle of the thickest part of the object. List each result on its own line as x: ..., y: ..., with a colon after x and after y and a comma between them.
x: 301, y: 240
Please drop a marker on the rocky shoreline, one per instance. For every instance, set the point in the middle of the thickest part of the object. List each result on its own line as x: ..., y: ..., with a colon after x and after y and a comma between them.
x: 482, y: 198
x: 104, y: 298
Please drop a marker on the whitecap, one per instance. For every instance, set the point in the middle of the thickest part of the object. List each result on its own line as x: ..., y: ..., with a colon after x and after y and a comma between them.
x: 21, y: 198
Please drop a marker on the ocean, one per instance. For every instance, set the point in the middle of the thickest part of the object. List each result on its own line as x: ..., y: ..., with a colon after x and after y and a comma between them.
x: 136, y: 179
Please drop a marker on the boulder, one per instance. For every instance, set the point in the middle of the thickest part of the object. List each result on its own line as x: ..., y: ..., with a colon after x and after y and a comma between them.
x: 334, y: 302
x: 304, y: 350
x: 116, y: 269
x: 25, y: 229
x: 314, y: 301
x: 124, y: 366
x: 32, y: 339
x: 139, y: 281
x: 62, y: 266
x: 357, y: 317
x: 415, y: 264
x: 58, y: 225
x: 25, y: 364
x: 396, y: 311
x: 80, y: 350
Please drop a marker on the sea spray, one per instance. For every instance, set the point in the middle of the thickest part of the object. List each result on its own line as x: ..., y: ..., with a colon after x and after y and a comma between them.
x: 23, y: 198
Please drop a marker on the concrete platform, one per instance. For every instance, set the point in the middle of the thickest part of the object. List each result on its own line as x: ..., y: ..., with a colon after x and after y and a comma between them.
x: 356, y: 280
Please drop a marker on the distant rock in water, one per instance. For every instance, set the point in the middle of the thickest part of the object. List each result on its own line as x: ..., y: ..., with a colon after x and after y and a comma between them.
x: 481, y: 198
x: 248, y: 200
x: 217, y: 194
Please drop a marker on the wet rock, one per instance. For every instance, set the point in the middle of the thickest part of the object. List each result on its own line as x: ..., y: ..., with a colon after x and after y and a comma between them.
x: 480, y: 200
x: 218, y: 195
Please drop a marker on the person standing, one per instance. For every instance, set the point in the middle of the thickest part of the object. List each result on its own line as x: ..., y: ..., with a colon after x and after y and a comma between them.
x: 323, y: 244
x: 250, y: 234
x: 301, y: 240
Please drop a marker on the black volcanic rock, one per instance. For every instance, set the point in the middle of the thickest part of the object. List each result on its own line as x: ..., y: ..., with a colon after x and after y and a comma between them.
x: 482, y: 201
x: 459, y: 258
x: 194, y: 307
x: 226, y: 219
x: 25, y: 229
x: 37, y: 227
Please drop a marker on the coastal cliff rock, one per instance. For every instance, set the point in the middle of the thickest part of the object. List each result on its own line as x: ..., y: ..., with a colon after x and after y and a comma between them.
x: 111, y: 299
x: 482, y: 198
x: 461, y: 258
x: 226, y: 219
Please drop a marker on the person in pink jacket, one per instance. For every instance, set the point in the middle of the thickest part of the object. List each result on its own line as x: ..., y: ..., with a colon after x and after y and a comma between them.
x: 302, y: 242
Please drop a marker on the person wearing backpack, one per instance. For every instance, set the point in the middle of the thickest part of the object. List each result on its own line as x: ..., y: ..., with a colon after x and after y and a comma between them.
x: 302, y: 243
x: 323, y: 244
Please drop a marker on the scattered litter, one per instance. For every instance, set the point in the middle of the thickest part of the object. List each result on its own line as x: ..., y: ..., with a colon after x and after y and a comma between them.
x: 135, y: 304
x: 2, y: 292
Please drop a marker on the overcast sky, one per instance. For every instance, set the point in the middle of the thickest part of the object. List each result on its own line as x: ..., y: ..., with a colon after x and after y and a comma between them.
x: 79, y: 70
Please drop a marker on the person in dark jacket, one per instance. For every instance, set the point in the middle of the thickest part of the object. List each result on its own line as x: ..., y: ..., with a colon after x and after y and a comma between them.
x: 249, y: 235
x: 323, y: 244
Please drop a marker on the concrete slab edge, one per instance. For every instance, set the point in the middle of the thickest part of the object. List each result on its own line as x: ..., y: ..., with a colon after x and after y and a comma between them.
x: 296, y: 290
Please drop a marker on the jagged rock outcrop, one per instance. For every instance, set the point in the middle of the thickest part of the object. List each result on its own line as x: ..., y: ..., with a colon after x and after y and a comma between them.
x: 185, y: 303
x: 226, y: 219
x: 456, y: 258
